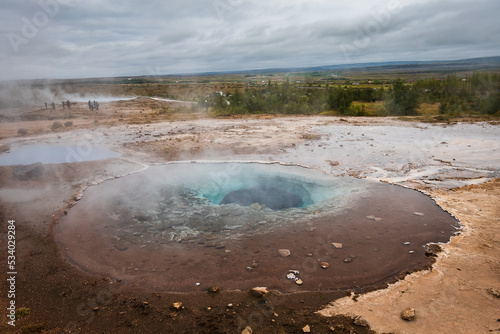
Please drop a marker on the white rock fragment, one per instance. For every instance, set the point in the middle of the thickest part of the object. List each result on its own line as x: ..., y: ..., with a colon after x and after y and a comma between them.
x: 337, y: 245
x: 247, y: 330
x: 284, y: 252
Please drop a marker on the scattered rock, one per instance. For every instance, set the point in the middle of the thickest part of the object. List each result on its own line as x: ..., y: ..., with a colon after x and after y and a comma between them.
x: 68, y: 124
x: 56, y: 126
x: 348, y: 260
x: 432, y: 250
x: 306, y: 329
x: 177, y: 306
x: 247, y: 330
x: 494, y: 292
x: 291, y: 276
x: 377, y: 219
x: 96, y: 122
x: 22, y: 132
x: 4, y: 148
x: 298, y: 281
x: 324, y: 265
x: 419, y: 214
x: 406, y: 243
x: 408, y: 314
x: 230, y: 305
x: 284, y: 252
x: 259, y: 292
x: 197, y: 284
x: 333, y: 163
x: 360, y: 322
x: 293, y: 271
x: 337, y: 245
x: 29, y: 172
x: 95, y: 309
x: 214, y: 289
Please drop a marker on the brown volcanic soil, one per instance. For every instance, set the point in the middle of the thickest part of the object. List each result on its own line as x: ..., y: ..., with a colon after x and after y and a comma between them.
x: 453, y: 297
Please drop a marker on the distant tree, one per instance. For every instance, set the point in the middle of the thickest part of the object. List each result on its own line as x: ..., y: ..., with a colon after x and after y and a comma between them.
x: 403, y: 100
x: 340, y: 99
x: 491, y: 104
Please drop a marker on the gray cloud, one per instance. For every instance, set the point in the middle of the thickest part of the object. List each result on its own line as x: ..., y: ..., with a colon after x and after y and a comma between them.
x: 68, y: 38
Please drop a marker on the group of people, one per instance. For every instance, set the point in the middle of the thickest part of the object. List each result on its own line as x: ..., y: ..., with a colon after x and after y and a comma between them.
x: 52, y: 104
x: 92, y: 105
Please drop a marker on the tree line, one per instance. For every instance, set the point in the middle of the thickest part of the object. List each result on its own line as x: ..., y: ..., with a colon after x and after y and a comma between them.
x: 478, y: 93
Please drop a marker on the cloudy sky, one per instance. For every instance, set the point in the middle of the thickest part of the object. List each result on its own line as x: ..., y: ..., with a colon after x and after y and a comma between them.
x: 100, y: 38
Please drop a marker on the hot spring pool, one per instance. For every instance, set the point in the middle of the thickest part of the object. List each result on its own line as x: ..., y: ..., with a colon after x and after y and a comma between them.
x: 175, y: 225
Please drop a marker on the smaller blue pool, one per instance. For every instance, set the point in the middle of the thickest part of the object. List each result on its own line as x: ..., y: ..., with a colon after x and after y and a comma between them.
x: 55, y: 154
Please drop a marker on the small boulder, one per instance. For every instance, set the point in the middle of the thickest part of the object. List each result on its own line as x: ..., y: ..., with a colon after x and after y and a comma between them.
x: 432, y: 250
x: 177, y: 306
x: 214, y: 289
x: 247, y: 330
x: 259, y: 292
x: 408, y: 314
x: 22, y: 132
x: 337, y: 245
x: 306, y: 329
x: 284, y: 252
x: 68, y: 124
x: 4, y: 148
x: 56, y: 126
x: 360, y: 322
x: 494, y: 292
x: 29, y: 172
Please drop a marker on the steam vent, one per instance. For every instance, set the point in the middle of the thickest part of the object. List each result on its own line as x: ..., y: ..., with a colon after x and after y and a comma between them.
x: 240, y: 225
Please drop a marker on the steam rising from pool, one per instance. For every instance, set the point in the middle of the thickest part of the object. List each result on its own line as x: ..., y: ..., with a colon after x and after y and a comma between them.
x: 173, y: 225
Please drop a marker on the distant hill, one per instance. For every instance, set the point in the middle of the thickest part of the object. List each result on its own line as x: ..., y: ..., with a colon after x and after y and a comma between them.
x: 438, y: 66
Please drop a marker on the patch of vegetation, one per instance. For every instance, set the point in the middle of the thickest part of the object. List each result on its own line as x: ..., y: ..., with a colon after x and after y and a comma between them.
x: 35, y: 328
x: 450, y: 97
x: 22, y: 312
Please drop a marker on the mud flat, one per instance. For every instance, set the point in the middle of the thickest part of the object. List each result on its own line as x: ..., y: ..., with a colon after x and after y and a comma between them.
x: 456, y: 165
